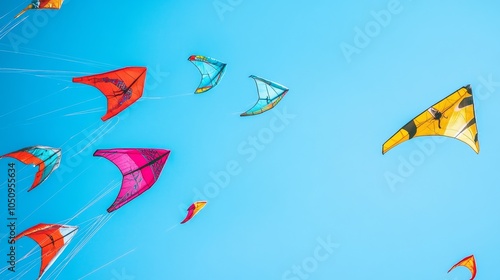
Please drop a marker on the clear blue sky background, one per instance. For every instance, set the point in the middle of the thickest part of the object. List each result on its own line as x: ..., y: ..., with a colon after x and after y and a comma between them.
x: 321, y: 176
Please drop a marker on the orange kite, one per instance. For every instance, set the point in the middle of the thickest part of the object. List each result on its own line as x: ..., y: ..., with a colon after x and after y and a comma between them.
x: 52, y: 239
x: 122, y: 87
x: 468, y: 262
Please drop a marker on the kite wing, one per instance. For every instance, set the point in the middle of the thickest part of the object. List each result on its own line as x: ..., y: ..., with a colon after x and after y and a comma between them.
x: 452, y: 117
x: 42, y: 4
x: 211, y: 71
x: 270, y: 93
x: 140, y: 168
x: 193, y: 210
x: 121, y: 87
x: 470, y: 263
x: 52, y: 239
x: 46, y: 158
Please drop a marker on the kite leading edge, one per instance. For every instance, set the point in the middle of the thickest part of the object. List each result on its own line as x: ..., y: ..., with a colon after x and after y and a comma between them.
x: 452, y: 117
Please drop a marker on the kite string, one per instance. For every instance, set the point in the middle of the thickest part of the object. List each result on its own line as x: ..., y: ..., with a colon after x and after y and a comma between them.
x: 94, y: 200
x: 28, y: 267
x: 74, y: 135
x: 56, y: 193
x: 96, y: 138
x: 17, y: 181
x: 14, y: 9
x: 86, y: 112
x: 8, y: 70
x: 79, y: 246
x: 9, y: 29
x: 65, y: 187
x: 106, y: 264
x: 92, y: 230
x: 26, y: 121
x: 33, y: 263
x: 63, y: 108
x: 97, y: 198
x: 61, y: 146
x: 60, y: 57
x: 172, y: 227
x: 33, y: 102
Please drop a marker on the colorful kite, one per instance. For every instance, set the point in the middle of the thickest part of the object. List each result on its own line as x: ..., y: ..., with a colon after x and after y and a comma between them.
x: 193, y: 210
x: 46, y: 158
x: 270, y: 93
x: 140, y: 168
x: 52, y: 239
x: 42, y: 4
x: 452, y: 117
x: 468, y: 262
x: 121, y: 87
x: 211, y: 71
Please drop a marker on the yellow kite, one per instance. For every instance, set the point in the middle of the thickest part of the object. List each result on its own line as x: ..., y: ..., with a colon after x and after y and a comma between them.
x: 452, y: 117
x: 42, y: 4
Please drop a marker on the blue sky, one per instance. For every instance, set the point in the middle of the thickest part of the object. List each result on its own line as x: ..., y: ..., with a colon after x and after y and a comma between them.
x: 308, y: 196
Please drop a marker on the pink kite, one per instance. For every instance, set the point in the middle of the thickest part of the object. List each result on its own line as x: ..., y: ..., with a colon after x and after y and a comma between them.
x: 140, y: 168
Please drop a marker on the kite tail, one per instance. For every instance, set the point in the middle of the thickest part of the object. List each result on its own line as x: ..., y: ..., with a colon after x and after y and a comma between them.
x: 30, y: 6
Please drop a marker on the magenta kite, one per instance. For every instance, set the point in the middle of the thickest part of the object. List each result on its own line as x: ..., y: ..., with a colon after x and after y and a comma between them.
x: 140, y: 168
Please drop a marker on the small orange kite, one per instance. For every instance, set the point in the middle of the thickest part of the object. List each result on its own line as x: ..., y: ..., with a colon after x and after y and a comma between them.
x: 468, y: 262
